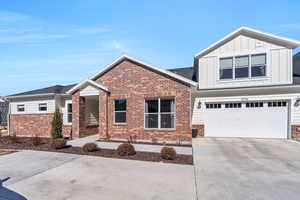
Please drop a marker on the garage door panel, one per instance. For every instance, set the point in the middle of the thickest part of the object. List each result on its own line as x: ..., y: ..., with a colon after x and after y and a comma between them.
x: 261, y: 122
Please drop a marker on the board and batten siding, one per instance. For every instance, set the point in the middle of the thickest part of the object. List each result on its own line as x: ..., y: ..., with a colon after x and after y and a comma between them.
x: 32, y: 106
x: 89, y: 91
x: 279, y: 63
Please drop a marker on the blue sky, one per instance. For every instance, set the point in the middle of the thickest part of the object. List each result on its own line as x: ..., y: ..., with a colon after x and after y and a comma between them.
x: 44, y: 43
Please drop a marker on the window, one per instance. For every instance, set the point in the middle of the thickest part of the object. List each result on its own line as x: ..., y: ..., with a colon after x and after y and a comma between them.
x: 242, y: 67
x: 213, y: 105
x: 69, y: 113
x: 254, y: 104
x: 258, y: 65
x: 238, y: 66
x: 226, y: 68
x: 277, y: 104
x: 21, y: 108
x: 42, y: 107
x: 120, y: 111
x: 233, y: 105
x: 160, y: 113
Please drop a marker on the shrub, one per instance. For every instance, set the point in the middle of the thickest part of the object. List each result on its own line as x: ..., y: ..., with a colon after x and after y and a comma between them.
x: 168, y: 153
x: 126, y: 149
x: 58, y: 143
x: 13, y: 139
x: 90, y: 147
x: 57, y: 122
x: 36, y: 140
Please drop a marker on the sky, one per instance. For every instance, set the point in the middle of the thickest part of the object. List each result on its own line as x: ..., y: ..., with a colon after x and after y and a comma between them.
x: 60, y: 42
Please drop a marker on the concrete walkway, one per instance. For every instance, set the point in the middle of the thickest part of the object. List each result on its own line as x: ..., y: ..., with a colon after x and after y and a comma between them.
x: 34, y: 177
x: 138, y: 147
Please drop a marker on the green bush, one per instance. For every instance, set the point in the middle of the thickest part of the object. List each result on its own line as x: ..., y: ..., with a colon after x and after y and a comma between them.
x: 57, y: 122
x: 168, y: 153
x: 126, y: 149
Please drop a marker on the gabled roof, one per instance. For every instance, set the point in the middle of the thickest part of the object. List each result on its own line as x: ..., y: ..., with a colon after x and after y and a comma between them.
x: 250, y: 31
x: 152, y: 67
x: 85, y: 83
x: 56, y: 89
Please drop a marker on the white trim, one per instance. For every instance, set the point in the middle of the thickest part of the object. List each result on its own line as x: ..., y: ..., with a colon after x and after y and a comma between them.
x: 86, y: 82
x: 171, y: 74
x: 29, y: 95
x: 289, y: 42
x: 159, y: 114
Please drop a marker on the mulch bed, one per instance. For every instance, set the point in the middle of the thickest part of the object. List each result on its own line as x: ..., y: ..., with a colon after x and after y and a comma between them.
x: 149, y: 143
x: 25, y: 143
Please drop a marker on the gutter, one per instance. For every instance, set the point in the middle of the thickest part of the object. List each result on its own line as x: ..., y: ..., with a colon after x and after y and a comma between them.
x: 243, y: 88
x: 29, y: 95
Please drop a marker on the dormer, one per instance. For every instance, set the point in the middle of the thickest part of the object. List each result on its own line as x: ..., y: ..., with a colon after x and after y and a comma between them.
x: 246, y: 58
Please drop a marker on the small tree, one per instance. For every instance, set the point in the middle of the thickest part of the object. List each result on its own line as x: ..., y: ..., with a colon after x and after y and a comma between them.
x: 56, y: 125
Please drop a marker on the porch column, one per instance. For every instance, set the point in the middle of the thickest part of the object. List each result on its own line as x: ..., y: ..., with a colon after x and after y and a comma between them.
x: 103, y: 114
x: 78, y: 108
x: 75, y: 114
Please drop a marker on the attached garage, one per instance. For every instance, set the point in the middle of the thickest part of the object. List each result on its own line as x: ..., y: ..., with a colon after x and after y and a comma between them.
x: 259, y: 119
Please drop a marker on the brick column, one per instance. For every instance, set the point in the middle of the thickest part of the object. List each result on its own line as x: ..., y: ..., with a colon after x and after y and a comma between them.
x: 103, y: 103
x: 75, y: 114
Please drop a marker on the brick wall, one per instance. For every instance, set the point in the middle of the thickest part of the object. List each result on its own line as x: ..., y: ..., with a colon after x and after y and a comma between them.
x: 134, y: 82
x: 31, y: 124
x: 200, y: 129
x: 295, y: 133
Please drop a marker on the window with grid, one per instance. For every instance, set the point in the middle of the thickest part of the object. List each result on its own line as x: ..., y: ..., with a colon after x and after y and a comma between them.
x: 120, y: 111
x: 160, y: 113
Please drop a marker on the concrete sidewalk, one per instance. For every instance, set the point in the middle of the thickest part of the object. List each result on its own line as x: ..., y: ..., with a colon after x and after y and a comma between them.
x: 88, y: 177
x: 138, y: 147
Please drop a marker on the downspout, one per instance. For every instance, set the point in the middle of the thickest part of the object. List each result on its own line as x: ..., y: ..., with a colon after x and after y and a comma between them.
x: 8, y: 118
x: 106, y: 116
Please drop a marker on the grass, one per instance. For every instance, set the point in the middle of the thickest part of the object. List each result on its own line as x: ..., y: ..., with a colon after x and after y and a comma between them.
x: 4, y: 152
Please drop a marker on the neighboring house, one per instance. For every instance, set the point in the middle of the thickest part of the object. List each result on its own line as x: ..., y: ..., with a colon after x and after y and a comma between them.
x: 3, y: 112
x: 128, y: 98
x: 244, y: 85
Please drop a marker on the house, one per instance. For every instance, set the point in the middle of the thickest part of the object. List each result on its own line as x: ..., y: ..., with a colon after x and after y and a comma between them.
x: 127, y: 98
x: 244, y: 85
x: 247, y: 88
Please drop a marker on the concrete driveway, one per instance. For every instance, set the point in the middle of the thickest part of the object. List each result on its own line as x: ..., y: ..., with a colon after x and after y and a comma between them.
x: 35, y: 177
x: 247, y: 169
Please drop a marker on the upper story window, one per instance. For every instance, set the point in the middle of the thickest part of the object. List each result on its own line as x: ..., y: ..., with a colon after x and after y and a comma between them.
x: 20, y: 107
x: 226, y: 68
x: 120, y: 111
x: 258, y: 65
x: 43, y: 107
x: 239, y: 66
x: 160, y: 113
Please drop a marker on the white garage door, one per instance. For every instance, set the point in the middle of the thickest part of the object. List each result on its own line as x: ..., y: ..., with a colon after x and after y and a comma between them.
x: 251, y: 119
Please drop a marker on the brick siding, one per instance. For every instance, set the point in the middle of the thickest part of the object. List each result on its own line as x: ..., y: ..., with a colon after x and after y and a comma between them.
x: 295, y: 133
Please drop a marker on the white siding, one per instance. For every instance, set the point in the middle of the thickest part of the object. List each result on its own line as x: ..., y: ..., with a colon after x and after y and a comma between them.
x: 32, y: 105
x: 279, y: 63
x: 89, y: 91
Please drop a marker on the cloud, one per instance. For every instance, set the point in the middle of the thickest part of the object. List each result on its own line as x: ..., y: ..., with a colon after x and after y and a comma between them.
x: 8, y: 16
x: 92, y: 30
x: 116, y: 45
x: 30, y: 37
x: 291, y: 26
